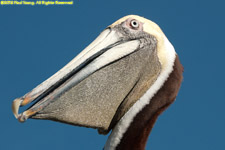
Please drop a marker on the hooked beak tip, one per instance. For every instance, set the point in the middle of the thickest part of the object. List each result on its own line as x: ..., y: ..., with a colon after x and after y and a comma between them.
x: 15, y: 109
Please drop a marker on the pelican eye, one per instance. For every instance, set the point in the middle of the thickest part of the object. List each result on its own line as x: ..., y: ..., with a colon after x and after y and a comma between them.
x: 134, y: 24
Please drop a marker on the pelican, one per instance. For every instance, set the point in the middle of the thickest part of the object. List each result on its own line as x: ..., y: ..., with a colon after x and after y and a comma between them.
x: 121, y: 82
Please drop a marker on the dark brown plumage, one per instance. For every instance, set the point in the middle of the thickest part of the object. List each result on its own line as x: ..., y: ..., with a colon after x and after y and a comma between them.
x: 135, y: 138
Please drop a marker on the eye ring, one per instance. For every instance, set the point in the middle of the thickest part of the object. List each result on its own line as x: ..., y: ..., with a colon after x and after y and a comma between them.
x: 134, y: 24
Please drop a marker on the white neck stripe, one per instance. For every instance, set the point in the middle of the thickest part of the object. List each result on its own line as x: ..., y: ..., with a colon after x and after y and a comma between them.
x: 123, y: 124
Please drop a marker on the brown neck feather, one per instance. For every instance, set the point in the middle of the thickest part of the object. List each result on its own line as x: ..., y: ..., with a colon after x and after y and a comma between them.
x: 136, y: 136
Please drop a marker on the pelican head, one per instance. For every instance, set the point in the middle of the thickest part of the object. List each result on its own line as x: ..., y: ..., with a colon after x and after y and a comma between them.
x: 121, y: 82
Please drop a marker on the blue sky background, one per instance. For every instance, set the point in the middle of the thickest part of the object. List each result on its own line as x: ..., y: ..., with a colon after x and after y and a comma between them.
x: 36, y: 41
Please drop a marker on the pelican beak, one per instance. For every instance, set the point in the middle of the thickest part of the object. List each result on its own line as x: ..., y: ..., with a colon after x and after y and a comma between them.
x: 108, y: 47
